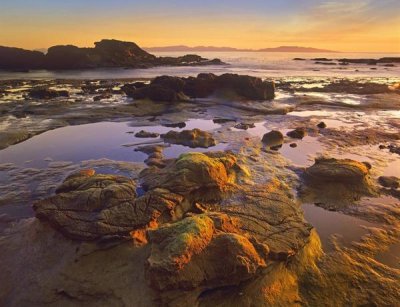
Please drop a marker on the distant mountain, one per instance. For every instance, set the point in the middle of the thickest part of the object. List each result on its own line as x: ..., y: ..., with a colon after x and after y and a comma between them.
x: 184, y: 48
x: 295, y: 49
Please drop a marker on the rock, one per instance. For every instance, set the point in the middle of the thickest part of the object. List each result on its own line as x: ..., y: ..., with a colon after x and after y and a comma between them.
x: 244, y: 126
x: 293, y: 145
x: 167, y: 88
x: 155, y: 155
x: 394, y: 149
x: 321, y: 125
x: 191, y: 138
x: 273, y: 139
x: 203, y: 251
x: 299, y: 59
x: 223, y: 120
x: 201, y: 87
x: 20, y: 59
x: 173, y: 83
x: 337, y: 170
x: 102, y: 97
x: 157, y: 93
x: 389, y: 182
x: 298, y: 133
x: 175, y: 125
x: 336, y: 182
x: 322, y: 59
x: 92, y: 207
x: 325, y: 63
x: 246, y: 86
x: 46, y: 93
x: 195, y: 175
x: 146, y: 134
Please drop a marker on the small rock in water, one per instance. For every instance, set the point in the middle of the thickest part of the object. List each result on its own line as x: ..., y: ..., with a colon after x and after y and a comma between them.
x: 175, y: 125
x: 146, y: 134
x: 293, y: 145
x: 273, y: 139
x: 321, y: 125
x: 297, y: 133
x: 389, y: 182
x: 244, y: 126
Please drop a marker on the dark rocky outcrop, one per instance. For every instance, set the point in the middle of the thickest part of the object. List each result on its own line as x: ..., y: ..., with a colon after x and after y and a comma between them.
x: 20, y: 59
x: 106, y: 53
x: 157, y: 93
x: 168, y: 88
x: 191, y: 138
x: 46, y: 93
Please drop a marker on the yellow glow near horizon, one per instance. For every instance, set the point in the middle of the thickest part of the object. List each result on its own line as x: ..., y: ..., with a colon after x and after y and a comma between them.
x: 318, y: 29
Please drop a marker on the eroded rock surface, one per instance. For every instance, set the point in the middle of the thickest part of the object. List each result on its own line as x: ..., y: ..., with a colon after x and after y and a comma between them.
x: 202, y: 251
x: 90, y: 207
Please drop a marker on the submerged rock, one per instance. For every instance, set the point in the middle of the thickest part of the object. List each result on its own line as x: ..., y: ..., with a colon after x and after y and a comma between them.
x: 297, y: 133
x: 191, y: 138
x: 321, y: 125
x: 244, y: 126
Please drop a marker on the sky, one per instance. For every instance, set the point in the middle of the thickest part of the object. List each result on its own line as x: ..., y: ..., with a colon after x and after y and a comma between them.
x: 359, y: 25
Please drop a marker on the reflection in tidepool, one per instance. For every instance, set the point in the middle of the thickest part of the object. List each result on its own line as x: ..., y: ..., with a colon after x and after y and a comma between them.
x: 328, y: 223
x: 94, y: 141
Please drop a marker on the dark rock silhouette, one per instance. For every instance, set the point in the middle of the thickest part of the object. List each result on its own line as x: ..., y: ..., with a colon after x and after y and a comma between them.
x: 106, y: 53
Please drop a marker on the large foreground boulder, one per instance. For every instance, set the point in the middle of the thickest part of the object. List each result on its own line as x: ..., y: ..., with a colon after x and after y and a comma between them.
x: 88, y: 206
x: 205, y: 251
x: 191, y: 138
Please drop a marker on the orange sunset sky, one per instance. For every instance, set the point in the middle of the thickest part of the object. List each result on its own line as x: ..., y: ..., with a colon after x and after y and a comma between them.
x: 361, y: 25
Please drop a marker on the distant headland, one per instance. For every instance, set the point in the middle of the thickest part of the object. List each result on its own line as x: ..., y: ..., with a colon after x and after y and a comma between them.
x: 106, y: 53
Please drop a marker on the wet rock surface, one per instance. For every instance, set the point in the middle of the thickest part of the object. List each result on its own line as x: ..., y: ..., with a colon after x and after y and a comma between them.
x: 92, y: 207
x: 191, y: 138
x: 334, y: 182
x: 207, y: 229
